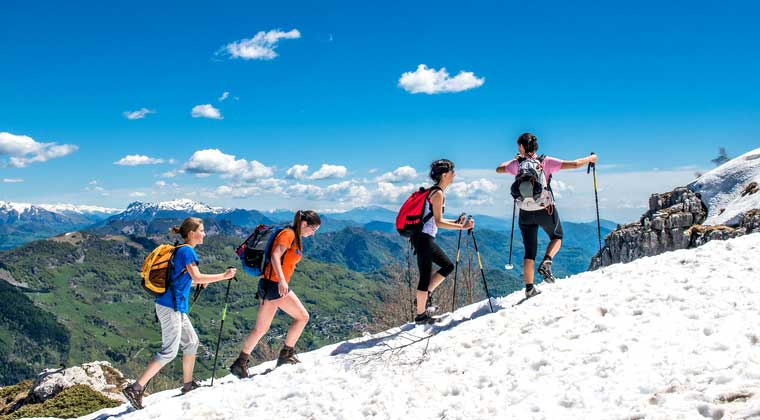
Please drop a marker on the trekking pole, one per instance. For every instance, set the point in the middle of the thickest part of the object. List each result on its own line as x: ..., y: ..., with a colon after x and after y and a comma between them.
x: 456, y: 266
x: 480, y: 263
x: 509, y: 265
x: 591, y: 166
x: 224, y: 315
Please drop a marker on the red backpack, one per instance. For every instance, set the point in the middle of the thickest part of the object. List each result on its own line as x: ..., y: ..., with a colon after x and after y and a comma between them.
x: 409, y: 220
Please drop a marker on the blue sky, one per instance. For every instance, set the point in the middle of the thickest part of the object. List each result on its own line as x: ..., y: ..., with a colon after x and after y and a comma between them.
x: 653, y: 88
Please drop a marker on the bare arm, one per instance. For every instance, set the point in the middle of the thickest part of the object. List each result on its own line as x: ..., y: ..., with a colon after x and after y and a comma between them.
x: 437, y: 201
x: 200, y: 278
x: 578, y: 163
x: 276, y: 260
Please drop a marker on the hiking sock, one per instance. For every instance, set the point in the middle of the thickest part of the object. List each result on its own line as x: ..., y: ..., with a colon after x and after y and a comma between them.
x: 547, y: 257
x: 137, y: 387
x: 243, y: 357
x: 529, y: 287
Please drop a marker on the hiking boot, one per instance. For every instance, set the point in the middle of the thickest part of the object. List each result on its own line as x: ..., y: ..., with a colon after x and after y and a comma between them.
x: 424, y: 318
x: 134, y: 396
x: 545, y: 269
x: 240, y: 368
x: 430, y: 305
x: 287, y: 356
x: 529, y: 293
x: 190, y: 386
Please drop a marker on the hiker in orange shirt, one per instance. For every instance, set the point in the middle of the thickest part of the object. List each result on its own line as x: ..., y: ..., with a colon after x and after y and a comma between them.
x: 275, y: 293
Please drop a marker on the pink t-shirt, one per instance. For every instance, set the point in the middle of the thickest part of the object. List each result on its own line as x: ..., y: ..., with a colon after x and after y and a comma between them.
x: 551, y: 165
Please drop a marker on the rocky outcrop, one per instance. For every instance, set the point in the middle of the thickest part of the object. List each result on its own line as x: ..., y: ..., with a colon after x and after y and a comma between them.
x: 672, y: 222
x: 100, y: 376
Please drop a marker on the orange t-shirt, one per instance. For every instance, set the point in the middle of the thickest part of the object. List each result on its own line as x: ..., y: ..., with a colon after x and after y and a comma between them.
x: 291, y: 257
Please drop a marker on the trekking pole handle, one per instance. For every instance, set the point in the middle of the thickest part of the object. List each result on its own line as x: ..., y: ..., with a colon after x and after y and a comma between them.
x: 590, y: 165
x: 469, y: 217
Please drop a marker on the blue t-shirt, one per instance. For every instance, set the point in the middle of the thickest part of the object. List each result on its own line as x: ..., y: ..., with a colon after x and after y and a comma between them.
x: 181, y: 284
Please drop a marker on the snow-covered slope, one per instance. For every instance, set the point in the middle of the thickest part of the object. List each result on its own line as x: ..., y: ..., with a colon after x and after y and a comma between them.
x: 675, y: 336
x: 722, y: 188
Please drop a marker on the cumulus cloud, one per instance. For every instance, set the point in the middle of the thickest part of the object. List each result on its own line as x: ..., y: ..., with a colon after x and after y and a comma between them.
x: 431, y: 81
x: 137, y: 194
x: 404, y: 173
x: 261, y: 47
x: 297, y: 171
x: 312, y: 192
x: 224, y: 96
x: 348, y: 192
x: 329, y: 171
x: 476, y: 192
x: 12, y: 180
x: 391, y: 193
x: 135, y: 160
x: 139, y: 114
x: 160, y: 184
x: 213, y: 161
x: 23, y: 150
x: 206, y: 111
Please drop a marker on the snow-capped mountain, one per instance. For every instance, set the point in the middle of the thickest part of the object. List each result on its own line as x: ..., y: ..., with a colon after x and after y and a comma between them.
x: 167, y: 209
x: 659, y: 338
x: 24, y: 222
x: 731, y: 189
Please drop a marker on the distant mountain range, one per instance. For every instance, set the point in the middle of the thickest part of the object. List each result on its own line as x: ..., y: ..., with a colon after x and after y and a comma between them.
x: 21, y: 223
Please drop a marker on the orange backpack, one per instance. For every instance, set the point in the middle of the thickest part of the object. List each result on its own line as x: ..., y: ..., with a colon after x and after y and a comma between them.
x: 156, y: 269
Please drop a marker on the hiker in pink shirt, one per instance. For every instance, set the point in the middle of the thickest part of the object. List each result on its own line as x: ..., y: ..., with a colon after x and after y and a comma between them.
x: 533, y: 195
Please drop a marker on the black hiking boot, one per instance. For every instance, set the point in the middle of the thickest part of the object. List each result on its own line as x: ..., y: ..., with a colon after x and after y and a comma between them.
x: 424, y: 318
x: 134, y: 396
x: 533, y: 291
x: 430, y: 306
x: 240, y: 368
x: 192, y: 385
x: 287, y: 356
x: 545, y: 269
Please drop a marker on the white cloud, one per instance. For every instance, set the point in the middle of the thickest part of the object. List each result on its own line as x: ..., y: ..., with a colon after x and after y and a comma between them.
x: 93, y: 182
x: 476, y: 192
x: 348, y: 192
x: 213, y: 161
x: 224, y: 96
x: 160, y: 184
x: 139, y: 114
x: 12, y: 180
x: 206, y: 111
x: 390, y: 193
x: 171, y: 174
x: 261, y: 47
x: 135, y: 160
x: 137, y: 194
x: 430, y: 81
x: 329, y: 171
x: 404, y: 173
x: 312, y: 192
x: 23, y: 150
x: 297, y: 171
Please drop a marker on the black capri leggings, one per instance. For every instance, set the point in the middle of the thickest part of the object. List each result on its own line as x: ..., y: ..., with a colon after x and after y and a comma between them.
x: 529, y: 223
x: 429, y: 252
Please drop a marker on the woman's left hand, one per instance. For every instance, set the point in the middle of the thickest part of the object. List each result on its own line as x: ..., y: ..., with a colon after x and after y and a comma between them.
x: 282, y: 287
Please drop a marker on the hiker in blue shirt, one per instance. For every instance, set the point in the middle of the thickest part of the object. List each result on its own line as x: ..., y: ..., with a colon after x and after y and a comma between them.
x: 171, y: 309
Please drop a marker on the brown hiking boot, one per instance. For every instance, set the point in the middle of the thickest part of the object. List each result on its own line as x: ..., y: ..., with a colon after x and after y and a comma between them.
x: 287, y: 356
x: 240, y: 368
x: 134, y: 396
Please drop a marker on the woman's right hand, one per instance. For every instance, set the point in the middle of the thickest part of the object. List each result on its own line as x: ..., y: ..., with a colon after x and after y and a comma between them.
x: 229, y: 273
x: 282, y: 287
x: 468, y: 225
x: 593, y: 158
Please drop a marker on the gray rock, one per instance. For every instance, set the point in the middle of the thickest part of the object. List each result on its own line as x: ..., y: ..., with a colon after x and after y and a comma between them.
x: 672, y: 222
x: 100, y: 376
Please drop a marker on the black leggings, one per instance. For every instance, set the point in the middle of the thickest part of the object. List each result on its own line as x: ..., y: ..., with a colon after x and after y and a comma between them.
x: 529, y: 223
x: 429, y: 252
